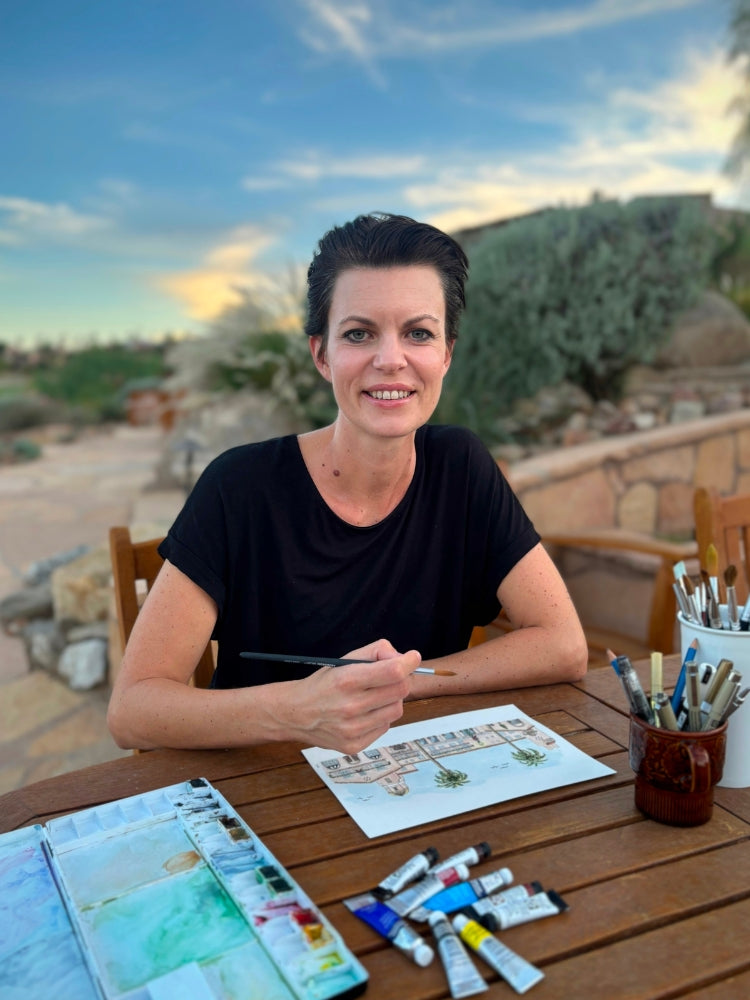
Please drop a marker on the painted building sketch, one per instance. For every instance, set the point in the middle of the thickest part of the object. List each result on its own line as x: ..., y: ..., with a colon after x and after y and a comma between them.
x: 428, y: 770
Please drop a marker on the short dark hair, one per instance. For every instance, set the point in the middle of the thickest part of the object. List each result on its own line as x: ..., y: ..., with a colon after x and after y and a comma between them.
x: 384, y: 240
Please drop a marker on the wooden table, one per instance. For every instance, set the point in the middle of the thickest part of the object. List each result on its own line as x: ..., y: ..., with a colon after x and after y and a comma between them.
x: 655, y: 911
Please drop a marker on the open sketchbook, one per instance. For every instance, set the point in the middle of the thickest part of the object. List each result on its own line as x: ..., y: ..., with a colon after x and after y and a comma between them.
x: 425, y: 771
x: 161, y: 896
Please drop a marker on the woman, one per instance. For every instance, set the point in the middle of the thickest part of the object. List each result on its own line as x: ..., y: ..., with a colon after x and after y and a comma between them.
x: 377, y: 538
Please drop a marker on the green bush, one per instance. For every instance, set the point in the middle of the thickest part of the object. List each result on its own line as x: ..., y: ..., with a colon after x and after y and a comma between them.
x: 91, y: 380
x: 19, y: 413
x: 576, y: 294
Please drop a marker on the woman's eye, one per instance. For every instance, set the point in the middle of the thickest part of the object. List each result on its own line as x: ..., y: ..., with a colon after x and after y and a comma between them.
x: 356, y: 336
x: 421, y: 335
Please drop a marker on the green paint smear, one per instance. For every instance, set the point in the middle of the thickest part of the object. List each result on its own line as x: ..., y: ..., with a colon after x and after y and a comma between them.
x: 150, y: 932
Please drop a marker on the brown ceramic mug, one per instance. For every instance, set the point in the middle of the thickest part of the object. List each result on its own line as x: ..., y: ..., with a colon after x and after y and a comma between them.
x: 675, y: 772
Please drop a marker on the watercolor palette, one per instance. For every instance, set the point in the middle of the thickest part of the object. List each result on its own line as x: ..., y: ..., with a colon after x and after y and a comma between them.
x: 162, y: 895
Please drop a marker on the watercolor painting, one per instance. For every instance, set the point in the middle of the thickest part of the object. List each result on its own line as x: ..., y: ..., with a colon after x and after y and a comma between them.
x: 429, y: 770
x: 39, y: 951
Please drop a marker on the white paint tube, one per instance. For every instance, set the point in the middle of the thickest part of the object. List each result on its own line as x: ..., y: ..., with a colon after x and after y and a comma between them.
x: 497, y: 915
x: 464, y: 979
x: 514, y: 969
x: 469, y: 856
x: 413, y: 869
x: 421, y: 891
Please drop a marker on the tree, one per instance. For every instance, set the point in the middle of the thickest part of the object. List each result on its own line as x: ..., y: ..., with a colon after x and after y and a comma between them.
x: 739, y: 52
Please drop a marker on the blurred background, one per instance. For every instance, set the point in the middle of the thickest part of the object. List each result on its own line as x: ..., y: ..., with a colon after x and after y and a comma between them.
x: 167, y: 169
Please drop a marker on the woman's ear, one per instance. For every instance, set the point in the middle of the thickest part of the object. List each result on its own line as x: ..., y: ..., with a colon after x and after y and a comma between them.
x: 448, y: 356
x: 318, y: 351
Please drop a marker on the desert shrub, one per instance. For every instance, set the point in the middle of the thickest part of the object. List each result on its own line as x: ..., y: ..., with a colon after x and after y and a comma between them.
x: 257, y: 345
x: 19, y: 413
x: 577, y: 294
x: 90, y: 381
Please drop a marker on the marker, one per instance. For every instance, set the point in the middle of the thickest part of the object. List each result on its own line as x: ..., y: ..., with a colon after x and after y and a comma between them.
x: 331, y: 661
x: 664, y: 711
x: 680, y: 686
x: 639, y: 704
x: 694, y: 718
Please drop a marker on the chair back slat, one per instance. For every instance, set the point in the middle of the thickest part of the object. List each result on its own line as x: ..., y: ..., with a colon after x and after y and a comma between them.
x: 140, y: 562
x: 725, y: 521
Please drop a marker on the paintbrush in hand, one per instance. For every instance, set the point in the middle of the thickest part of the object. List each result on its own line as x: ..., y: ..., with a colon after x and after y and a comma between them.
x: 331, y: 661
x: 730, y: 577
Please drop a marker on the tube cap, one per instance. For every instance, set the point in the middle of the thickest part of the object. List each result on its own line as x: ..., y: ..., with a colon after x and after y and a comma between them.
x: 460, y: 921
x: 423, y: 955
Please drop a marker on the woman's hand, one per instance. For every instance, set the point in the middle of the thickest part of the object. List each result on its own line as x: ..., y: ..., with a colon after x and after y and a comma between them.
x: 346, y: 708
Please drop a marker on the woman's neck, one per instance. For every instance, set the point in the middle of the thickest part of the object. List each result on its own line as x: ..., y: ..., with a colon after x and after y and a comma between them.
x: 361, y: 484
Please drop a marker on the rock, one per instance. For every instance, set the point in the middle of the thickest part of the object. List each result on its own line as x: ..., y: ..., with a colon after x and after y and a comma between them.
x: 41, y: 570
x: 44, y: 641
x: 81, y: 589
x: 84, y: 664
x: 25, y: 605
x: 94, y: 630
x: 713, y: 332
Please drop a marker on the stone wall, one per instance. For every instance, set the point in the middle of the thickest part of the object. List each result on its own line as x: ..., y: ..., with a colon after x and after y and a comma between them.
x: 640, y: 482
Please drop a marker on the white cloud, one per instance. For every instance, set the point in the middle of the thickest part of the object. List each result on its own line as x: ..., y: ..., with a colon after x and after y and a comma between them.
x: 671, y: 139
x: 389, y: 32
x: 206, y: 290
x: 27, y: 220
x: 318, y: 166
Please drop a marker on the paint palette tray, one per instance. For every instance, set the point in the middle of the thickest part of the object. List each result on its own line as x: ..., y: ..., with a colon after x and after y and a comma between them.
x: 161, y: 895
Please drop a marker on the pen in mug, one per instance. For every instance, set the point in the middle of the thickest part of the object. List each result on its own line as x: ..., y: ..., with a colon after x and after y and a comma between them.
x: 664, y: 711
x: 722, y: 701
x: 680, y: 686
x: 330, y: 661
x: 639, y: 703
x: 694, y: 715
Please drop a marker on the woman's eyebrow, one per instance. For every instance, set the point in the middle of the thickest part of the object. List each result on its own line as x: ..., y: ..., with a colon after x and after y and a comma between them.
x: 366, y: 321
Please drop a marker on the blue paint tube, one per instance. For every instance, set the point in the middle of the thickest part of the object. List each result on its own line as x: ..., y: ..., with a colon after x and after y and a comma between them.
x: 389, y: 925
x: 456, y: 897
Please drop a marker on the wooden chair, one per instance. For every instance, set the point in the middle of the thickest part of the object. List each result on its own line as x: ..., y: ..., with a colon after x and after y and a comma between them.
x: 725, y: 521
x: 134, y: 562
x: 659, y: 632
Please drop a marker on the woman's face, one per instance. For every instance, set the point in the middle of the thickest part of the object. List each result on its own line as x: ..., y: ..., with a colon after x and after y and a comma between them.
x: 385, y: 354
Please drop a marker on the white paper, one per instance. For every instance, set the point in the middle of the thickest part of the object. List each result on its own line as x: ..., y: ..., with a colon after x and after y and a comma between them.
x: 425, y: 771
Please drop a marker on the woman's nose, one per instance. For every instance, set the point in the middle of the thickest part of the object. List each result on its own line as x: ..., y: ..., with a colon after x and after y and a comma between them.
x: 390, y: 354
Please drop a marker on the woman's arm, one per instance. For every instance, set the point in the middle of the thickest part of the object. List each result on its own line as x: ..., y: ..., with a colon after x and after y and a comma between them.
x: 152, y: 704
x: 547, y: 645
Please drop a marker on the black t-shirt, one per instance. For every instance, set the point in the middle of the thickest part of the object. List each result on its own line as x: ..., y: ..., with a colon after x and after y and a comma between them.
x: 290, y: 576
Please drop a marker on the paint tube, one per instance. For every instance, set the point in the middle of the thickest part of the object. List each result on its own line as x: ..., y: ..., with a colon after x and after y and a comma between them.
x: 464, y: 979
x: 389, y: 925
x: 469, y: 856
x: 514, y: 969
x: 421, y: 891
x: 509, y: 913
x: 413, y: 869
x: 456, y: 897
x: 481, y: 910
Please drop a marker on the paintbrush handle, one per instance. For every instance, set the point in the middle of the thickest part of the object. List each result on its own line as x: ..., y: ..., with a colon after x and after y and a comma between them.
x: 329, y: 661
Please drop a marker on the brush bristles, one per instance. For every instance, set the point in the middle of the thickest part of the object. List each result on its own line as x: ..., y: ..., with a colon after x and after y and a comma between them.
x: 730, y: 575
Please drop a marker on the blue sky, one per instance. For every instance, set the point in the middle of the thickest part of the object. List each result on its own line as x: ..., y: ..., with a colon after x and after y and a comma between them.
x: 155, y: 154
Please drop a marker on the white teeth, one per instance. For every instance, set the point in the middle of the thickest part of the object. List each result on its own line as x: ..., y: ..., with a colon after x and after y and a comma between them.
x: 390, y: 394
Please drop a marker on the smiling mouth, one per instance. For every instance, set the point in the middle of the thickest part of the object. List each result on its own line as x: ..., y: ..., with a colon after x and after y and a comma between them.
x: 390, y: 394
